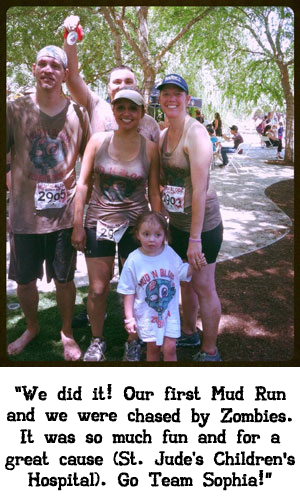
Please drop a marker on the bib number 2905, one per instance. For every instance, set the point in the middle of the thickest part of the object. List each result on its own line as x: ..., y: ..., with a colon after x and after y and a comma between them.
x: 50, y: 195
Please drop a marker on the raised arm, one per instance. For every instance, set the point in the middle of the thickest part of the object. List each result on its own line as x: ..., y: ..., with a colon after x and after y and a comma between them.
x: 75, y: 83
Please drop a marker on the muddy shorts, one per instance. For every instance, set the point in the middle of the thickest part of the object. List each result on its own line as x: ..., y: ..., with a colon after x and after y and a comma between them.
x: 29, y: 251
x: 211, y: 242
x: 105, y: 248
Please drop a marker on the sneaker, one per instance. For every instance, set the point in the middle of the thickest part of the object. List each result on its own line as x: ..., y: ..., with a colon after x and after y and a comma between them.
x: 82, y: 319
x: 95, y: 351
x: 188, y: 341
x: 132, y: 351
x: 204, y: 357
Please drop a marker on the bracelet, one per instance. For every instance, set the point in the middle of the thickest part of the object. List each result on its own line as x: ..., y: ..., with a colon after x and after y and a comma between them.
x: 129, y: 320
x: 195, y: 240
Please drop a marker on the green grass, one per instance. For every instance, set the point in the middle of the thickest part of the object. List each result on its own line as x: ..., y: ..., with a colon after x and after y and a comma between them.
x: 47, y: 346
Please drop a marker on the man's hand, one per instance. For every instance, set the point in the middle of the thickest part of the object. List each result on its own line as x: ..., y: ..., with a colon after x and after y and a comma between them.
x: 71, y: 23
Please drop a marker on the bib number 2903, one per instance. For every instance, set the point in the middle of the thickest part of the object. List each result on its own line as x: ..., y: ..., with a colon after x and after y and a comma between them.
x: 173, y: 198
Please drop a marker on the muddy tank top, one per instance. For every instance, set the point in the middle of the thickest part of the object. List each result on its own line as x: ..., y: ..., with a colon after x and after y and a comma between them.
x: 119, y: 187
x: 176, y: 173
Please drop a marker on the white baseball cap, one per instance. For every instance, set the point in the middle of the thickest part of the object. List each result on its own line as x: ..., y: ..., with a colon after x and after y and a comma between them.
x: 129, y: 94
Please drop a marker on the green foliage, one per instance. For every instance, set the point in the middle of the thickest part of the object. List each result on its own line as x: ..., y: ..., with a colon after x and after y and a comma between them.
x: 219, y: 56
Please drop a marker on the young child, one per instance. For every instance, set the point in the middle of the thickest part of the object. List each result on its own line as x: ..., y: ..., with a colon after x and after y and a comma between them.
x: 150, y: 282
x: 213, y: 138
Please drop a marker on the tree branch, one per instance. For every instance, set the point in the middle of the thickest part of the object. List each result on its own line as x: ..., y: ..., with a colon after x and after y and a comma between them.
x: 182, y: 32
x: 108, y: 13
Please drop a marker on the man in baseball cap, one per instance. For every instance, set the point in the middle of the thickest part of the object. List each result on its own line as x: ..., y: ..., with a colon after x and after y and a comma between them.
x: 237, y: 139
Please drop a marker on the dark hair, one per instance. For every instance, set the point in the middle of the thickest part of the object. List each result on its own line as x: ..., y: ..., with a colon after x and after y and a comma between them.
x: 217, y: 116
x: 198, y: 112
x: 120, y: 67
x: 152, y: 217
x: 210, y: 129
x: 267, y: 128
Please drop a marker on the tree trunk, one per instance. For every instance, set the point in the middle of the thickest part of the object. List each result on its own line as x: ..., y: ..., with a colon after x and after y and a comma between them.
x: 289, y: 99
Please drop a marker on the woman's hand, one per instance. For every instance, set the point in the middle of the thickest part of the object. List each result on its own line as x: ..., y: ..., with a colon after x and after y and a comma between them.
x: 78, y: 238
x: 195, y: 255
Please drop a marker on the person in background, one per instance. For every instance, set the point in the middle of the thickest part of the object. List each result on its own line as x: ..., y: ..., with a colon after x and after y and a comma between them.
x: 45, y: 134
x: 275, y: 141
x: 237, y: 139
x: 213, y: 138
x: 198, y: 115
x: 280, y: 131
x: 217, y: 124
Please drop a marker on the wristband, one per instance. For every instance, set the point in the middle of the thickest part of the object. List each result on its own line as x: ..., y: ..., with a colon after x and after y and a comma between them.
x: 195, y: 240
x: 129, y: 320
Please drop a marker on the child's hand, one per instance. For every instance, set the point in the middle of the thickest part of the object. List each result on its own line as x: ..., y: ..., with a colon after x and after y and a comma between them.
x: 130, y: 326
x: 201, y: 262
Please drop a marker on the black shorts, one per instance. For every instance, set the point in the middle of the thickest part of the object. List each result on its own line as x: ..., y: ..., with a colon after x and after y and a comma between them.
x: 104, y: 248
x: 28, y: 252
x: 211, y: 242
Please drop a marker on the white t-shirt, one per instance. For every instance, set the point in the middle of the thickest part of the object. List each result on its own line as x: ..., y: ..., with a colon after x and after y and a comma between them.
x: 155, y: 282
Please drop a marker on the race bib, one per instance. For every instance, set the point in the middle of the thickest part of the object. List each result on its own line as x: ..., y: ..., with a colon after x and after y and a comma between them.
x: 50, y: 195
x: 173, y: 198
x: 110, y: 232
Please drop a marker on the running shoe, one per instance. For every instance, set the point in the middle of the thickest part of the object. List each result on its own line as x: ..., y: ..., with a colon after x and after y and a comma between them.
x: 95, y: 351
x: 188, y: 341
x: 205, y: 357
x: 132, y: 351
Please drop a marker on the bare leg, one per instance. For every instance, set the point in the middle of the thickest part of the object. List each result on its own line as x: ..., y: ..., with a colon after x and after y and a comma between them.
x: 99, y: 270
x: 169, y: 350
x: 203, y: 283
x: 65, y: 297
x: 153, y: 352
x: 29, y: 298
x: 190, y: 308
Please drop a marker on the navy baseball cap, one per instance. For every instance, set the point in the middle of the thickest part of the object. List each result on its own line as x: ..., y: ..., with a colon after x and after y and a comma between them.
x: 175, y: 79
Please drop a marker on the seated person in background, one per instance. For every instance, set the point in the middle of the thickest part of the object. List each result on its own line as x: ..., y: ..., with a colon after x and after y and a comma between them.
x: 237, y: 139
x: 276, y: 142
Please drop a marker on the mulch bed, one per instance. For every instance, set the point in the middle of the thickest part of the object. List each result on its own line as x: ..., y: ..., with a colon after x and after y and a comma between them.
x: 256, y: 293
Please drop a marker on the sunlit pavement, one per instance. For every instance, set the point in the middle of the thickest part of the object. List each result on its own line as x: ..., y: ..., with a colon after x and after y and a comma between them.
x: 251, y: 220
